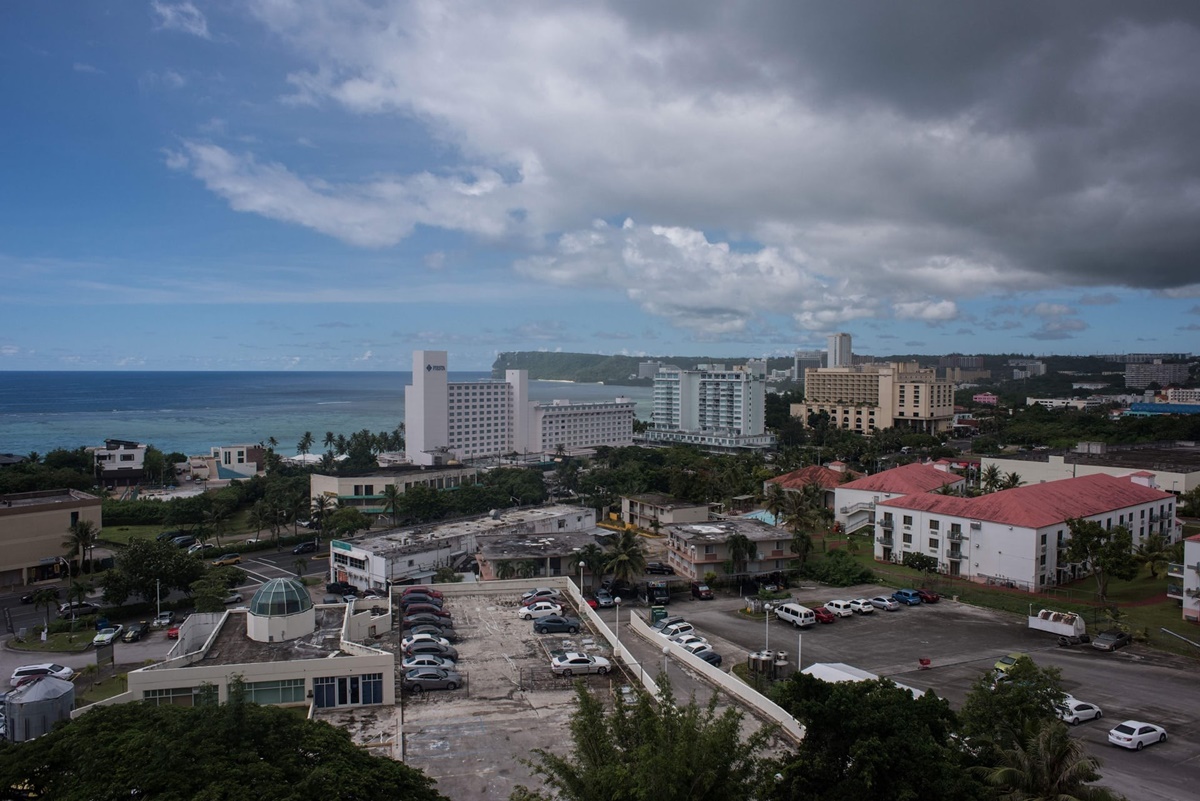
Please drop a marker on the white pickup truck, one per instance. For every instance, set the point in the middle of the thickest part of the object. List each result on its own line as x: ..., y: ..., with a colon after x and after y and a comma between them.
x: 1064, y: 624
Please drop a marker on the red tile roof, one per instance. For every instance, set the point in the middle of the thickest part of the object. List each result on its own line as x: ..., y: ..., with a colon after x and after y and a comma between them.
x: 906, y: 479
x: 1040, y: 505
x: 813, y: 474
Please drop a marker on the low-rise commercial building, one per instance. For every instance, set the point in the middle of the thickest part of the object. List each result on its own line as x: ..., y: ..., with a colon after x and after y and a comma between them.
x: 34, y: 527
x: 1176, y: 467
x: 120, y: 463
x: 364, y: 490
x: 1018, y: 537
x: 236, y: 462
x: 651, y: 510
x: 695, y: 549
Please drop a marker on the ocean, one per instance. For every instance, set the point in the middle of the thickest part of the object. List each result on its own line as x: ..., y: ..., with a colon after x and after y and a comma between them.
x: 191, y: 412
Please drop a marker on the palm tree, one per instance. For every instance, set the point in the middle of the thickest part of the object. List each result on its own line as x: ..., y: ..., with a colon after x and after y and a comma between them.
x: 990, y: 478
x: 272, y: 443
x: 305, y: 443
x: 776, y: 501
x: 300, y: 563
x: 506, y: 569
x: 45, y: 598
x: 740, y: 550
x: 1046, y: 764
x: 592, y: 557
x: 1012, y: 481
x: 393, y: 501
x: 330, y: 441
x: 1153, y: 552
x: 81, y: 541
x: 626, y: 558
x: 526, y: 568
x: 216, y: 519
x: 259, y: 518
x: 321, y: 508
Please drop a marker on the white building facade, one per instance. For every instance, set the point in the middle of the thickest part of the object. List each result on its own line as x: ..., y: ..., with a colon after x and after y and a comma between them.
x: 465, y: 420
x: 711, y: 407
x: 840, y: 354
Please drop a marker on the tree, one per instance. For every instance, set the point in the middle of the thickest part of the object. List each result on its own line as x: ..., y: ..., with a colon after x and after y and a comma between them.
x: 81, y: 541
x: 265, y: 753
x: 305, y: 444
x: 998, y: 707
x: 506, y: 569
x: 1109, y: 552
x: 46, y: 599
x: 330, y: 441
x: 626, y: 558
x: 142, y: 564
x: 740, y: 550
x: 1154, y: 553
x: 776, y: 501
x: 661, y: 750
x: 1045, y: 763
x: 991, y: 478
x: 393, y: 501
x: 919, y: 561
x: 321, y: 508
x: 1011, y: 481
x: 300, y: 563
x: 347, y: 521
x: 592, y: 557
x: 869, y: 741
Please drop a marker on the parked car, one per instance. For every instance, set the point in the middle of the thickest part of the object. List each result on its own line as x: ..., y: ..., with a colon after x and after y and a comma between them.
x: 228, y: 559
x: 77, y: 609
x: 376, y: 592
x: 660, y: 568
x: 604, y: 598
x: 427, y: 660
x: 1009, y: 661
x: 305, y: 547
x: 659, y: 625
x: 539, y: 609
x: 539, y: 594
x: 420, y: 679
x: 928, y: 596
x: 418, y: 598
x: 907, y: 597
x: 173, y: 633
x: 27, y: 672
x: 184, y: 541
x: 571, y: 664
x: 885, y: 603
x: 163, y: 620
x: 445, y: 632
x: 108, y: 635
x: 423, y: 636
x: 168, y: 535
x: 431, y: 648
x: 137, y: 631
x: 1136, y: 735
x: 233, y: 598
x: 1111, y: 640
x: 840, y: 608
x: 425, y: 609
x: 862, y: 606
x: 710, y: 656
x: 1074, y: 711
x: 27, y: 598
x: 423, y: 590
x: 556, y: 624
x: 408, y: 621
x: 701, y: 591
x: 201, y: 548
x: 675, y: 629
x: 823, y: 615
x: 340, y: 588
x: 687, y: 640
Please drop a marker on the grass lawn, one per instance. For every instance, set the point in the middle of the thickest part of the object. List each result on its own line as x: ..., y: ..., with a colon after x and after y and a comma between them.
x: 91, y: 693
x: 63, y: 642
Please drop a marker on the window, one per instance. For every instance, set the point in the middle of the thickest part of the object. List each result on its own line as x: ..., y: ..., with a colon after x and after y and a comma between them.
x: 908, y: 520
x: 908, y: 539
x: 933, y: 525
x: 172, y: 696
x: 126, y: 457
x: 282, y: 691
x: 1043, y: 540
x: 709, y: 550
x: 933, y: 543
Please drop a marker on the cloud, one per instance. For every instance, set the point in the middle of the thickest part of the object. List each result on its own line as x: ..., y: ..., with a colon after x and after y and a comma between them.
x: 183, y: 17
x: 1101, y: 299
x: 9, y: 350
x: 927, y: 310
x: 334, y: 324
x: 366, y: 357
x: 166, y: 79
x: 79, y: 66
x: 541, y: 331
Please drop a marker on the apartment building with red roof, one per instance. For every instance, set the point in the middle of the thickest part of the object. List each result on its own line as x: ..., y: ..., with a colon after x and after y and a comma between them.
x: 854, y: 501
x: 1018, y: 536
x: 827, y: 477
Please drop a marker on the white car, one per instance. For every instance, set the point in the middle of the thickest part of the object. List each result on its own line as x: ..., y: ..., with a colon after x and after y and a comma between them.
x: 697, y: 648
x: 840, y: 608
x: 1074, y: 711
x: 412, y: 638
x: 570, y: 664
x: 540, y: 594
x: 1136, y: 735
x: 862, y: 606
x: 539, y: 609
x: 885, y: 603
x: 677, y: 629
x: 27, y: 672
x: 689, y: 639
x: 427, y: 661
x: 107, y: 636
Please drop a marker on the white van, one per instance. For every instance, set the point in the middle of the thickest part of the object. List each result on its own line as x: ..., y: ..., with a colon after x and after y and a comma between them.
x: 799, y: 616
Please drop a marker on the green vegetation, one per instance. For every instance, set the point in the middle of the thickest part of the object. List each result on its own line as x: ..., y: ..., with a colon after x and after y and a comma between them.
x: 61, y: 641
x: 234, y: 750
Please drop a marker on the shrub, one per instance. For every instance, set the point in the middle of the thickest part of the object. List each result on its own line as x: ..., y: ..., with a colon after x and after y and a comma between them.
x: 837, y: 569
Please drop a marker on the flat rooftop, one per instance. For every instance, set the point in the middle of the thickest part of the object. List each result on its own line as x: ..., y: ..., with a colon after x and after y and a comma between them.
x: 233, y: 645
x: 393, y: 542
x: 539, y: 546
x: 44, y: 498
x: 720, y: 531
x: 1177, y: 459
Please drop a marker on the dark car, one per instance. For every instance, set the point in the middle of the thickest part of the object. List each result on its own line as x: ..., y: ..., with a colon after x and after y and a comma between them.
x: 701, y: 591
x: 425, y: 609
x: 445, y: 632
x: 710, y: 656
x: 137, y: 631
x: 1112, y: 640
x: 421, y: 589
x: 341, y: 588
x: 186, y: 541
x: 429, y: 678
x: 416, y: 598
x: 556, y: 624
x: 168, y: 535
x: 27, y: 598
x: 432, y: 647
x: 661, y: 568
x: 928, y: 596
x: 305, y: 547
x: 424, y: 617
x: 604, y: 598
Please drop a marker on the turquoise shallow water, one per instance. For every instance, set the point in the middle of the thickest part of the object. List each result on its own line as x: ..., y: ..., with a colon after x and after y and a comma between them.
x: 191, y: 412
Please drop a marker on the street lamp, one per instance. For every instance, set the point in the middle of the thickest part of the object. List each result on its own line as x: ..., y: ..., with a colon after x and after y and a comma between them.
x: 617, y: 604
x: 666, y: 653
x: 767, y: 627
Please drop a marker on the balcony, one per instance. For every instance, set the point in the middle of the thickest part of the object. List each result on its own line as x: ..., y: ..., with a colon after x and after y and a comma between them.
x: 1175, y: 591
x: 858, y: 507
x: 1175, y: 570
x: 886, y: 523
x: 955, y: 554
x: 955, y: 536
x: 886, y: 541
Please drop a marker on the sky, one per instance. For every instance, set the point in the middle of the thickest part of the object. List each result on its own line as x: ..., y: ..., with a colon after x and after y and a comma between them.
x: 331, y: 184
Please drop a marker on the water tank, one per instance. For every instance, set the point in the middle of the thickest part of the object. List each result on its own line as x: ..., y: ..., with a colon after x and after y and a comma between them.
x: 32, y: 709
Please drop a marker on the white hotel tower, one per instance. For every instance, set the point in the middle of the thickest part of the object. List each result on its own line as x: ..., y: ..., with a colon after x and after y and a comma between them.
x: 711, y: 407
x: 446, y: 420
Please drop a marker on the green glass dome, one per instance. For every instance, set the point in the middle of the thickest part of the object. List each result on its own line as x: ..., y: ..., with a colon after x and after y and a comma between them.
x: 280, y: 596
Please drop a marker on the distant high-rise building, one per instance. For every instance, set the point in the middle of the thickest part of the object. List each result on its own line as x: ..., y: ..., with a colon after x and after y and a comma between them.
x: 1139, y: 375
x: 873, y: 396
x: 839, y: 351
x: 711, y: 407
x: 648, y: 369
x: 804, y: 360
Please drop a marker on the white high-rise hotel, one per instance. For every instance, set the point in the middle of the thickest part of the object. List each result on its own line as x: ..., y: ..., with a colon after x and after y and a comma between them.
x: 473, y: 419
x: 711, y: 407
